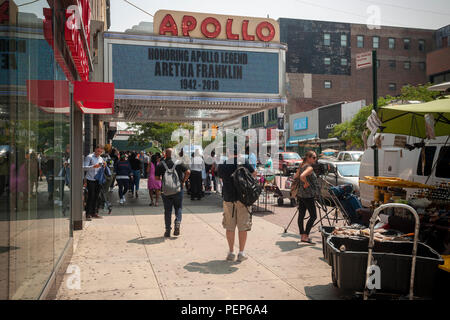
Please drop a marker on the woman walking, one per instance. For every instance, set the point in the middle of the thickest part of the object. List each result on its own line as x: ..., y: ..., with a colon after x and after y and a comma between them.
x: 123, y: 172
x: 154, y: 186
x: 307, y: 191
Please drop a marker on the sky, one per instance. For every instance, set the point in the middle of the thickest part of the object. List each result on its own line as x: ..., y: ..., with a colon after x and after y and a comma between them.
x: 431, y: 14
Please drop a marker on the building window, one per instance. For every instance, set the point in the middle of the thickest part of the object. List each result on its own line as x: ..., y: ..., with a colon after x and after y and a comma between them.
x: 343, y: 61
x: 392, y: 87
x: 375, y: 42
x: 421, y: 45
x: 273, y: 114
x: 422, y: 65
x: 407, y: 65
x: 406, y: 43
x: 391, y: 43
x: 326, y: 39
x: 327, y: 84
x: 245, y: 122
x: 392, y: 64
x: 327, y: 61
x: 343, y: 40
x: 360, y: 41
x: 258, y: 119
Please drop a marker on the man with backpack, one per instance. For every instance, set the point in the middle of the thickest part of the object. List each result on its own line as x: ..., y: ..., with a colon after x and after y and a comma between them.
x: 238, y: 185
x: 173, y: 176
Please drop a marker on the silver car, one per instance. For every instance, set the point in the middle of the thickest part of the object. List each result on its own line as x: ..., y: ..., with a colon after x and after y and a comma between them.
x: 339, y: 173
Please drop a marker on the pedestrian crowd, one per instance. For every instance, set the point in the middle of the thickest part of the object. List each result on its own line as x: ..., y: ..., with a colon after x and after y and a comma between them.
x: 169, y: 176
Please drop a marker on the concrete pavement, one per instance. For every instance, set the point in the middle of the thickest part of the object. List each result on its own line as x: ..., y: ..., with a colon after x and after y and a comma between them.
x: 125, y: 256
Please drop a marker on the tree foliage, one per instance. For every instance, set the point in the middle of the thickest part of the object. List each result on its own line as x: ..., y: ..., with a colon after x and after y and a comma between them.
x: 352, y: 131
x: 155, y: 131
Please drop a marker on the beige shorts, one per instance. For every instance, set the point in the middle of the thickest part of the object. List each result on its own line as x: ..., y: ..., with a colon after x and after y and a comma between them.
x: 241, y: 217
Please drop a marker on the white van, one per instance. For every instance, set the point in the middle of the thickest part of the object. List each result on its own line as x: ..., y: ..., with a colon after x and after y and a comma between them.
x: 399, y: 162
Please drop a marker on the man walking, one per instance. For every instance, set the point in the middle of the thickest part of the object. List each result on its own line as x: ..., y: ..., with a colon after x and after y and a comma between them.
x: 235, y: 213
x: 92, y: 163
x: 173, y: 176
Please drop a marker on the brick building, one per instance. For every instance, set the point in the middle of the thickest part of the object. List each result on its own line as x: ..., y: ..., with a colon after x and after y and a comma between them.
x: 320, y: 61
x: 438, y: 61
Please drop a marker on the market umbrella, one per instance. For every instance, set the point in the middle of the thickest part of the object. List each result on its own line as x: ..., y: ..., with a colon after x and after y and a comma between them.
x: 409, y: 119
x: 153, y: 150
x: 440, y: 87
x: 329, y: 151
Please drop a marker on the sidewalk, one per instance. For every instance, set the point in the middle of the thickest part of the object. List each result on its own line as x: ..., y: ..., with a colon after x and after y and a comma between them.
x: 125, y: 256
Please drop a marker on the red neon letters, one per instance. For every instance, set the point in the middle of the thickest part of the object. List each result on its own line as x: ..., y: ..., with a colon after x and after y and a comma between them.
x: 189, y: 23
x: 245, y: 34
x: 168, y: 25
x: 268, y: 26
x: 214, y: 22
x: 230, y: 34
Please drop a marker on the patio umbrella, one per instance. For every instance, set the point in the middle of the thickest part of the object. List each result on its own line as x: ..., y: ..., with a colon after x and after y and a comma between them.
x: 329, y: 151
x: 409, y: 119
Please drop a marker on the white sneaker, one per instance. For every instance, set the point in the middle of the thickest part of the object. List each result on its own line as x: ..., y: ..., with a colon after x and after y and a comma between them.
x: 124, y: 200
x: 231, y: 256
x: 121, y: 201
x: 242, y: 257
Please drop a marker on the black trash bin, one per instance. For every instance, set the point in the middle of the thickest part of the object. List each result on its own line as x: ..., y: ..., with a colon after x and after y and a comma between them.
x: 394, y: 259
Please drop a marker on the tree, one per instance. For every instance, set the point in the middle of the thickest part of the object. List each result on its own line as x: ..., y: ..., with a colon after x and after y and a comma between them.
x: 353, y: 131
x: 155, y: 131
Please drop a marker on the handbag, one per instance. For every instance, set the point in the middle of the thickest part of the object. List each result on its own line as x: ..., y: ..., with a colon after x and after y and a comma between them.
x: 294, y: 188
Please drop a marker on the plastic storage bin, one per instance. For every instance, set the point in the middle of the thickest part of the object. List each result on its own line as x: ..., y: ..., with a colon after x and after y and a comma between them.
x: 393, y: 258
x: 326, y: 231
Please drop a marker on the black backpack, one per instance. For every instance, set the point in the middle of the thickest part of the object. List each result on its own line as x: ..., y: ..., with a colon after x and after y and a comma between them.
x: 247, y: 188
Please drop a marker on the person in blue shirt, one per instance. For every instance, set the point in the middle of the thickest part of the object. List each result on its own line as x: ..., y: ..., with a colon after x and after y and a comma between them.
x: 92, y: 164
x: 123, y: 172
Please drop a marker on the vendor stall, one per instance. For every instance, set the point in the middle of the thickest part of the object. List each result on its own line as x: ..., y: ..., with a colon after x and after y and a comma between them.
x: 407, y: 267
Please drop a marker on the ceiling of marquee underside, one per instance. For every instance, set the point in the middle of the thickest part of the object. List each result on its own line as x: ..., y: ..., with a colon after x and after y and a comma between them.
x: 180, y: 111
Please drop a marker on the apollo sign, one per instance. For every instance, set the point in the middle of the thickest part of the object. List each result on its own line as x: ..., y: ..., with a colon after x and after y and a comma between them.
x: 199, y: 25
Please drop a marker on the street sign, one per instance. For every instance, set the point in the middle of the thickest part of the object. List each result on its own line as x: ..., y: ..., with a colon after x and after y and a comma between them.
x: 363, y: 60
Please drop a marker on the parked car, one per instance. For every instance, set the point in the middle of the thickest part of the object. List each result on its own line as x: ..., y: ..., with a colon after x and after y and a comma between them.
x: 289, y: 162
x: 349, y: 155
x: 339, y: 173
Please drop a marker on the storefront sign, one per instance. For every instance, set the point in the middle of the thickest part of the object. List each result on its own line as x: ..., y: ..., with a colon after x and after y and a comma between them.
x: 301, y: 124
x: 329, y: 117
x: 200, y: 25
x: 185, y: 68
x: 77, y: 35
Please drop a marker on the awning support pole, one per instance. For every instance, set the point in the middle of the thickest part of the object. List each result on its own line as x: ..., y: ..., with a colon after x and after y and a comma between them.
x: 375, y: 106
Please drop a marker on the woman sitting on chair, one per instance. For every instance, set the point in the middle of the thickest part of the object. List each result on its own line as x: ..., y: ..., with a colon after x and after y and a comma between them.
x: 307, y: 191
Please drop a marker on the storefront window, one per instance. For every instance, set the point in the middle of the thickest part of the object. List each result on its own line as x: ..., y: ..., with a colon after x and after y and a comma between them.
x: 35, y: 134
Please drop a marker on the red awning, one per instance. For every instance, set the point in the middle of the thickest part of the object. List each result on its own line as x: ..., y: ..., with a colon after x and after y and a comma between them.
x: 49, y: 95
x: 94, y: 97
